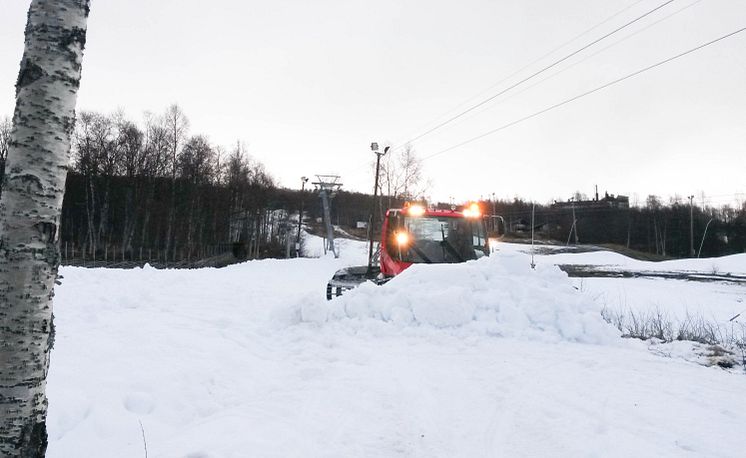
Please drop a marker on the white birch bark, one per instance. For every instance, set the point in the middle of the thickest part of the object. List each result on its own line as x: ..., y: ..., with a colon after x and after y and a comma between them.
x: 30, y: 210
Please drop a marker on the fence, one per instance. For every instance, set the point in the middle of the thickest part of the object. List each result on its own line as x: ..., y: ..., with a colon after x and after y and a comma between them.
x: 117, y: 257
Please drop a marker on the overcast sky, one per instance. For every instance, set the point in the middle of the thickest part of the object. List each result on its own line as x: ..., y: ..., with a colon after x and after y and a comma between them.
x: 307, y: 85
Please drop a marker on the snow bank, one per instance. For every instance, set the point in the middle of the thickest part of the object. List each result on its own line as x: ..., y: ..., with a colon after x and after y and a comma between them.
x: 496, y: 296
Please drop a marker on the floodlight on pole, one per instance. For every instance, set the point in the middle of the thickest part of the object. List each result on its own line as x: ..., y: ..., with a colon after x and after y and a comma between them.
x: 372, y: 218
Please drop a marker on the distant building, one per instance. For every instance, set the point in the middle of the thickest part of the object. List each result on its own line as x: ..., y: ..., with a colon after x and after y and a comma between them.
x: 608, y: 201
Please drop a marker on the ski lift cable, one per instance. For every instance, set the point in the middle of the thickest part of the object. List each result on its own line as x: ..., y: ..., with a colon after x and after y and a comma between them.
x: 579, y: 96
x: 528, y: 65
x: 533, y: 75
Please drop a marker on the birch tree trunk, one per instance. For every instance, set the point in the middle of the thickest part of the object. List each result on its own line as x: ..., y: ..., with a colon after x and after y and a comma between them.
x: 30, y: 210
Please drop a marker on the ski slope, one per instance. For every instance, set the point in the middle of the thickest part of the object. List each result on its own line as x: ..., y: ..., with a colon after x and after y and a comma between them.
x: 483, y: 359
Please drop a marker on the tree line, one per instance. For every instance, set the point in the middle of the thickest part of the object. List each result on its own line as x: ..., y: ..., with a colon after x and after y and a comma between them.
x: 656, y: 227
x: 156, y: 186
x: 156, y: 190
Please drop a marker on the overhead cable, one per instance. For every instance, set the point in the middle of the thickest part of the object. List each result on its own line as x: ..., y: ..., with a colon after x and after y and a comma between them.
x: 590, y: 56
x: 533, y: 75
x: 535, y: 61
x: 579, y: 96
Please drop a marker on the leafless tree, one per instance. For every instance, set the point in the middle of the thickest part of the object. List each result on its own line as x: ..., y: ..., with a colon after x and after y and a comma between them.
x: 196, y: 164
x: 177, y: 126
x: 130, y: 144
x: 86, y: 162
x: 30, y: 209
x: 402, y: 176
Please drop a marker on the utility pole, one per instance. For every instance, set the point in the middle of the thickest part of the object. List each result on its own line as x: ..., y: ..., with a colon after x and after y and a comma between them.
x: 303, y: 181
x: 691, y: 226
x: 533, y: 214
x: 494, y: 212
x: 372, y: 219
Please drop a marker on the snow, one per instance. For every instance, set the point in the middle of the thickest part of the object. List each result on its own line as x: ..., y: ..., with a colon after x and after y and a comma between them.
x: 350, y: 251
x: 734, y: 264
x: 488, y: 358
x: 676, y: 300
x: 498, y: 296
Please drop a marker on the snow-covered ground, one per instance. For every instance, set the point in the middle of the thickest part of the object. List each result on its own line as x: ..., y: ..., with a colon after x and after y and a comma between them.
x: 716, y: 301
x: 483, y: 359
x: 733, y: 264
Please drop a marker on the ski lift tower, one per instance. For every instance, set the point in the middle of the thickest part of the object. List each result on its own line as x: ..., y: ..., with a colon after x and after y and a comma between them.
x: 327, y: 186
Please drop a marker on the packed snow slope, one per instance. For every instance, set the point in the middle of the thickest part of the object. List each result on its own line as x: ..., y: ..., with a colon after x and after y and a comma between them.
x: 483, y: 359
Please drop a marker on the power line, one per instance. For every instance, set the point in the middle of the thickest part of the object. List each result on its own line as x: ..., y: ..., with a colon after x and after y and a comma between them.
x: 590, y: 56
x: 528, y: 65
x: 553, y: 64
x: 579, y: 96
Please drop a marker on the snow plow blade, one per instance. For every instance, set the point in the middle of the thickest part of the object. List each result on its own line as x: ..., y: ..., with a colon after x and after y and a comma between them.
x: 352, y: 277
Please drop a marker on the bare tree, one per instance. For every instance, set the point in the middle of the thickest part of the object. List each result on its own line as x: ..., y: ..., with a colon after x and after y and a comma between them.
x: 156, y: 147
x: 130, y: 143
x: 30, y: 210
x: 155, y: 165
x: 402, y: 176
x: 98, y: 157
x: 195, y: 170
x: 86, y: 163
x: 177, y: 125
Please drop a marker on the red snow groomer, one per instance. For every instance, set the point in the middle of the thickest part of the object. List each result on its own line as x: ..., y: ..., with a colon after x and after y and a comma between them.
x: 416, y: 234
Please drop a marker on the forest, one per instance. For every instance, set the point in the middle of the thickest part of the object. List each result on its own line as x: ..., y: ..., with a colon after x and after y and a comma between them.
x: 152, y: 191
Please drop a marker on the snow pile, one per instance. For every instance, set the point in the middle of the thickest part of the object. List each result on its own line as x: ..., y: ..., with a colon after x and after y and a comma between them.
x: 497, y: 296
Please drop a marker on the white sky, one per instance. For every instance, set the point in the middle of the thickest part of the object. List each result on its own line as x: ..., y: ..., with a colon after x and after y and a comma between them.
x: 309, y: 84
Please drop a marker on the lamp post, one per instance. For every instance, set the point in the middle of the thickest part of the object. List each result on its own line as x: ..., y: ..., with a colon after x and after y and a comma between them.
x: 303, y: 181
x: 372, y: 218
